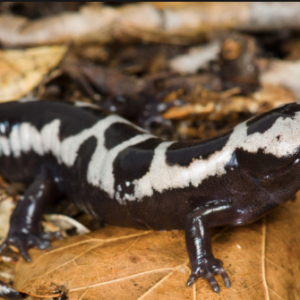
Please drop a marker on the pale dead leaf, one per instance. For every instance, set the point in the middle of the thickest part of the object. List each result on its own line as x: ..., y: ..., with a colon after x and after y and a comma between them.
x: 6, y: 208
x: 262, y: 260
x: 62, y: 222
x: 23, y: 70
x: 282, y: 73
x: 197, y: 58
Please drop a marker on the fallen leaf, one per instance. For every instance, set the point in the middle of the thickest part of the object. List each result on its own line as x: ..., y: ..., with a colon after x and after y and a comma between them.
x: 23, y: 70
x: 262, y: 260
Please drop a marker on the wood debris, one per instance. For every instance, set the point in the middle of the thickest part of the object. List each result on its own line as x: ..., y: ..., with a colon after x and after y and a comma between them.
x: 164, y: 24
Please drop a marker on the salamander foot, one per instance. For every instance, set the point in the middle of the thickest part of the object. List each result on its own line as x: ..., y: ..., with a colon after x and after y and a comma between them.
x: 26, y: 240
x: 207, y: 268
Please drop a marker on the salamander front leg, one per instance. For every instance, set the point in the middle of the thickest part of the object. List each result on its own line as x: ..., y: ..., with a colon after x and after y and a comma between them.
x: 198, y: 243
x: 24, y: 232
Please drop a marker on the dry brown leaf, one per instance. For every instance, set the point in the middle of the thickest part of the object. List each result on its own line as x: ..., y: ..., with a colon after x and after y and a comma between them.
x: 6, y: 208
x: 262, y: 260
x: 23, y: 70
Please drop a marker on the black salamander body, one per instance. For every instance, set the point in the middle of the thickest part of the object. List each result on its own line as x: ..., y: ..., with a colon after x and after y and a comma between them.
x: 124, y: 176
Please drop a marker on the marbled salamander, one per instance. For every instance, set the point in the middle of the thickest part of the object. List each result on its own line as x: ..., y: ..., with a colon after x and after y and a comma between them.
x: 125, y: 176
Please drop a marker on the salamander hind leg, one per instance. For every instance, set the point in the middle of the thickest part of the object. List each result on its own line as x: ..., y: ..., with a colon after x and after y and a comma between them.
x: 25, y: 232
x: 198, y: 243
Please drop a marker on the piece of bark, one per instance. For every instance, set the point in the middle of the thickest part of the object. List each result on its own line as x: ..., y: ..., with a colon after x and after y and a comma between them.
x: 127, y: 23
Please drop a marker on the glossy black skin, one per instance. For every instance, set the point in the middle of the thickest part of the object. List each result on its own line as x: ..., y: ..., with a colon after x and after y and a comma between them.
x: 254, y: 184
x: 7, y: 292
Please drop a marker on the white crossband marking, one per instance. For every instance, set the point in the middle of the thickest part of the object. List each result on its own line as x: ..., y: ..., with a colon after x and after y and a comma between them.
x: 161, y: 176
